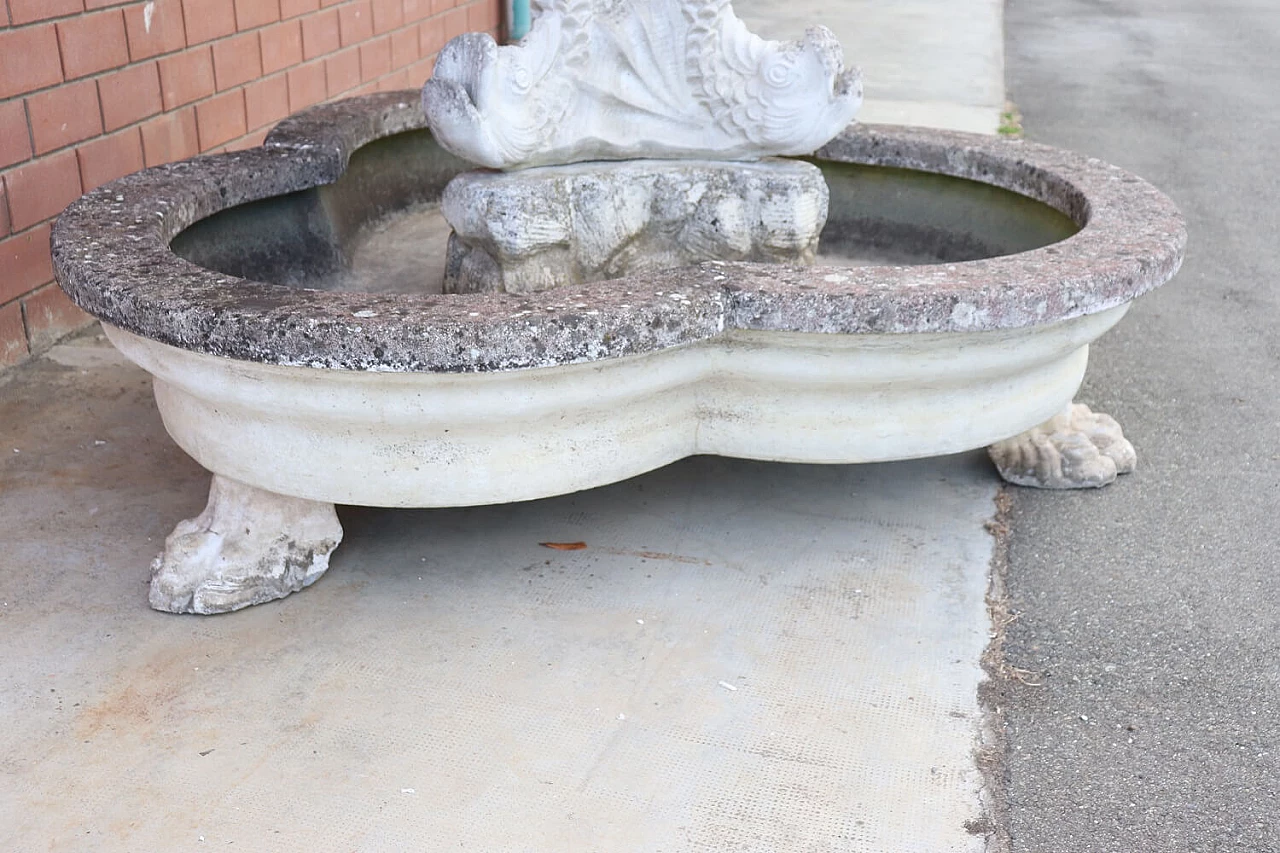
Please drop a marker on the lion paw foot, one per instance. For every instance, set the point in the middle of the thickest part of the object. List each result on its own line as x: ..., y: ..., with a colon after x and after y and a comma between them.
x: 247, y: 547
x: 1077, y: 449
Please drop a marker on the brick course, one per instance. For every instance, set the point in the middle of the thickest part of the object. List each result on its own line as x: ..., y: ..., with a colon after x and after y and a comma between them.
x: 281, y: 46
x: 320, y: 34
x: 27, y: 11
x: 266, y: 101
x: 306, y: 85
x: 237, y: 60
x: 29, y: 59
x: 64, y: 115
x: 170, y: 137
x: 208, y: 19
x: 15, y: 134
x: 92, y: 43
x: 93, y: 89
x: 342, y: 71
x: 13, y: 335
x: 39, y: 189
x: 130, y: 95
x: 5, y: 228
x: 293, y: 8
x: 50, y: 315
x: 27, y: 263
x: 186, y: 76
x: 154, y: 29
x: 251, y: 14
x: 109, y: 157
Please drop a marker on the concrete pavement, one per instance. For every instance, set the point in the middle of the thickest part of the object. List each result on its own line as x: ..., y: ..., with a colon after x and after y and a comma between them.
x: 746, y: 656
x: 1151, y: 610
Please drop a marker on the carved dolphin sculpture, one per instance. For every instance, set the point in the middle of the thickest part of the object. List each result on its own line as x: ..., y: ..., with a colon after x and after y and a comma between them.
x: 625, y: 79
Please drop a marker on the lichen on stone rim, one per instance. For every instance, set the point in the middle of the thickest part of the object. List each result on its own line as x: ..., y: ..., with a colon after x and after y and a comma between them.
x: 111, y: 255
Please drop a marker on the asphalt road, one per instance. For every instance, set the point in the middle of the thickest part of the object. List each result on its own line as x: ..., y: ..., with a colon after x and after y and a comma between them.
x: 1152, y: 609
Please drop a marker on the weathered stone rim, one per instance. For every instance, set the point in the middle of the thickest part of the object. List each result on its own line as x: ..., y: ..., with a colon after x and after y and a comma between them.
x: 111, y: 255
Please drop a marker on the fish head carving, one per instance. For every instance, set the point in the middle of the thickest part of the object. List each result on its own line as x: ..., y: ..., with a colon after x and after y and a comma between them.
x: 475, y: 81
x: 802, y: 91
x: 463, y: 80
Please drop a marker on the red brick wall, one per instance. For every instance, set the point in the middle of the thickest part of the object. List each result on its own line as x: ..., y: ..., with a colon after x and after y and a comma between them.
x: 94, y: 89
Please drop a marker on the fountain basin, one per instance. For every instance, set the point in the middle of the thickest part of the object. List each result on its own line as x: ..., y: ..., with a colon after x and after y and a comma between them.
x: 414, y: 398
x: 963, y: 279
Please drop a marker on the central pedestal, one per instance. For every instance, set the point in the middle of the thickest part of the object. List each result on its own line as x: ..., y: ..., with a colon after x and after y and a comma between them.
x: 532, y: 230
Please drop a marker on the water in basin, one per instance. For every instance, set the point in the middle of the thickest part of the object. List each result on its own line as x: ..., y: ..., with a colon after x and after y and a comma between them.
x: 379, y: 228
x: 400, y: 253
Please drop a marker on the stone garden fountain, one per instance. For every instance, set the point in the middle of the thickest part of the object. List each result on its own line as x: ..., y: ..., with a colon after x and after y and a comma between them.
x: 680, y: 244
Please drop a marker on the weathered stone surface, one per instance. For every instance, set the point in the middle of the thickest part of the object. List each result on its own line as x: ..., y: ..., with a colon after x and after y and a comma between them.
x: 528, y: 231
x: 1076, y: 449
x: 247, y: 547
x: 112, y: 255
x: 630, y: 79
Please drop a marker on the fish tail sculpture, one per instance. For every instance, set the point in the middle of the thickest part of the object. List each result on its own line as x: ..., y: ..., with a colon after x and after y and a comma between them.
x: 627, y: 79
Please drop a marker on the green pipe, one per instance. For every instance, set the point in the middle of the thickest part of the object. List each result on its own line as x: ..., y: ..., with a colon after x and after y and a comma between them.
x: 518, y: 19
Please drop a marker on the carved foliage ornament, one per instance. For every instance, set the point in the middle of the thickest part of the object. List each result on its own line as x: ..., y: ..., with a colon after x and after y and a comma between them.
x: 617, y: 79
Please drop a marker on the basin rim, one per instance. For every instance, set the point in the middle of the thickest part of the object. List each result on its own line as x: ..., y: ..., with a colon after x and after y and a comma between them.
x: 111, y: 255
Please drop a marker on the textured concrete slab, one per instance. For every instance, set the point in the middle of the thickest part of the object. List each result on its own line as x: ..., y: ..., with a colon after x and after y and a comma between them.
x: 452, y: 682
x: 924, y: 62
x: 1150, y: 609
x: 744, y: 656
